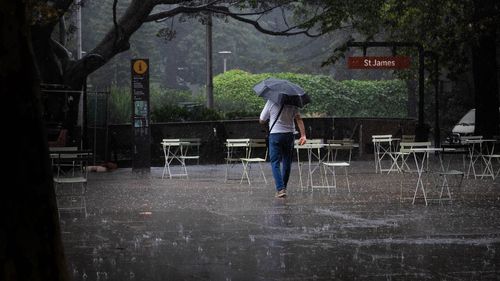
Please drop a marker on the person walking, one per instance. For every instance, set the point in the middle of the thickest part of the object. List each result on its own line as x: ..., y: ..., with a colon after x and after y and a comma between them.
x: 281, y: 140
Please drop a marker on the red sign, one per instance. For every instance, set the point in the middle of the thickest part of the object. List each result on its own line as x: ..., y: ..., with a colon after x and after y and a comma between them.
x: 398, y: 62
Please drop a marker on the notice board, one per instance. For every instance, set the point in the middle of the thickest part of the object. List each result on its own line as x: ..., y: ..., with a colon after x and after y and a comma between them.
x: 141, y: 130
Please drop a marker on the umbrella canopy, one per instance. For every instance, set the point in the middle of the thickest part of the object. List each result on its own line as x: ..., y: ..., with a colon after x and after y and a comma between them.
x: 282, y: 92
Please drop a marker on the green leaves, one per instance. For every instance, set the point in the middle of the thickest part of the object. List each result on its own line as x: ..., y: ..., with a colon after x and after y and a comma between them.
x: 233, y: 91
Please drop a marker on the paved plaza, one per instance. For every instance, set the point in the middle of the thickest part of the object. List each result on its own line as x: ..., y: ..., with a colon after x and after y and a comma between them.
x: 143, y: 227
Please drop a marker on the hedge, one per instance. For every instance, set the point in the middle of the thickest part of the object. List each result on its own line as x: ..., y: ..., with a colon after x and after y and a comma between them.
x: 233, y: 92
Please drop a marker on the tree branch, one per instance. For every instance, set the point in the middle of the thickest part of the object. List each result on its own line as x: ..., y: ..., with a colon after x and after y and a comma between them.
x: 139, y: 12
x: 113, y: 43
x: 237, y: 16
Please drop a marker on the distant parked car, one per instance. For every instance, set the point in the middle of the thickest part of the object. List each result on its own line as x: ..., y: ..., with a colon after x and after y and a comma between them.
x: 466, y: 125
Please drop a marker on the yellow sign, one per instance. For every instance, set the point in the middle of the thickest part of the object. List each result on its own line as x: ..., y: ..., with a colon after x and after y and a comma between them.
x: 140, y: 67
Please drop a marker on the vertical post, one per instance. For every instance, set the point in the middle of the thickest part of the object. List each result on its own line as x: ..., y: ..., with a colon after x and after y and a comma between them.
x: 421, y: 130
x: 361, y: 144
x: 78, y: 29
x: 437, y: 129
x: 82, y: 104
x: 210, y: 85
x: 141, y: 132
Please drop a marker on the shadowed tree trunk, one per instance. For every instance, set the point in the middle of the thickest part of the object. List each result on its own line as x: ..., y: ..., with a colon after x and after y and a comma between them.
x: 484, y: 69
x: 30, y: 240
x: 411, y: 105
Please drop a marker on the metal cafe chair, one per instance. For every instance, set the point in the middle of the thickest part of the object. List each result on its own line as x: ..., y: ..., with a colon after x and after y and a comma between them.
x: 235, y: 150
x: 70, y: 178
x: 383, y: 149
x: 252, y: 158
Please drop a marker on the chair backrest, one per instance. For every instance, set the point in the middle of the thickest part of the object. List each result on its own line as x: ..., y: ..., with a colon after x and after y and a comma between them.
x: 408, y: 138
x: 466, y: 138
x: 258, y: 143
x: 233, y: 144
x: 191, y: 144
x: 76, y: 160
x: 237, y: 142
x: 405, y: 147
x: 311, y: 141
x: 315, y: 141
x: 381, y: 138
x: 192, y: 141
x: 170, y: 140
x: 345, y: 143
x: 55, y: 149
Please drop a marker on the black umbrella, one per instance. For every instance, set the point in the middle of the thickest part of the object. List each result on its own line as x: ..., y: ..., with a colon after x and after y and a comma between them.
x: 282, y: 92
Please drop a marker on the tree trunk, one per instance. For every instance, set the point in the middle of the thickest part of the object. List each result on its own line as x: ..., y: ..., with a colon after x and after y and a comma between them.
x: 30, y: 239
x: 484, y: 69
x: 411, y: 105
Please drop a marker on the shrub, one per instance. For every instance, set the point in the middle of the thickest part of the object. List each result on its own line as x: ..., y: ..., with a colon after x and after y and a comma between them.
x: 235, y: 99
x: 233, y: 92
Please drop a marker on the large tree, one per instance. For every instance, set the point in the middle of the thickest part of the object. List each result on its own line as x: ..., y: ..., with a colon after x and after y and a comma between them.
x: 460, y: 34
x: 30, y: 239
x: 59, y: 67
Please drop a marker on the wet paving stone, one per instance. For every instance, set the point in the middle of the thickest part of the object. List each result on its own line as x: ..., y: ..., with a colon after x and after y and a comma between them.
x: 142, y: 227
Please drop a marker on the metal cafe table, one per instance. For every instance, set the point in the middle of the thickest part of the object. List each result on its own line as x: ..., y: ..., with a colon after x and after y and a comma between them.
x: 420, y: 156
x: 177, y: 150
x: 318, y: 162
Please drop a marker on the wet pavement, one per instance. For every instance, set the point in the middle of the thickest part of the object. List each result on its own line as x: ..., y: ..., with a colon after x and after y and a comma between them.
x: 143, y: 227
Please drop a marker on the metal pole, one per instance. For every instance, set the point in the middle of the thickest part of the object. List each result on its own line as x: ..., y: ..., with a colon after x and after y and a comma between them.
x: 210, y: 85
x: 421, y: 132
x: 225, y: 64
x: 437, y: 129
x: 82, y: 105
x: 78, y: 29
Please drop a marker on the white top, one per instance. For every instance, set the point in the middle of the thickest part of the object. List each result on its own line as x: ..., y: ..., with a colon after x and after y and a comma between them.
x: 285, y: 122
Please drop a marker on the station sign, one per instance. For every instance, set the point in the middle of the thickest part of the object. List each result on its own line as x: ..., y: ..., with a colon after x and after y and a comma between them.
x: 394, y: 62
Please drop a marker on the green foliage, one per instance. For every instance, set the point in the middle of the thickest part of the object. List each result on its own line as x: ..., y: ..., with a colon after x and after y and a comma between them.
x: 233, y: 92
x: 235, y: 99
x: 160, y: 96
x: 174, y: 113
x: 167, y: 105
x: 120, y: 105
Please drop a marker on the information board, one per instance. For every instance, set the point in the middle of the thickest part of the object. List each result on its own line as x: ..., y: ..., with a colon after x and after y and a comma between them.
x: 141, y: 130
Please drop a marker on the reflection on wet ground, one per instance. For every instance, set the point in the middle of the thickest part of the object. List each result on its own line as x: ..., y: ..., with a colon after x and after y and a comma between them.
x: 147, y: 228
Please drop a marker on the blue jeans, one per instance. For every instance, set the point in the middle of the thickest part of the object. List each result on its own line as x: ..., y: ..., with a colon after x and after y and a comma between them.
x: 280, y: 154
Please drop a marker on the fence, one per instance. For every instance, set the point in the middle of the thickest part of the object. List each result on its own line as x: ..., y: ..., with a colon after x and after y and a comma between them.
x: 214, y: 133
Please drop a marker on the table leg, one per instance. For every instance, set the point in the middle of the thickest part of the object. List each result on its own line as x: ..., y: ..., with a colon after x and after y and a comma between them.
x: 420, y: 184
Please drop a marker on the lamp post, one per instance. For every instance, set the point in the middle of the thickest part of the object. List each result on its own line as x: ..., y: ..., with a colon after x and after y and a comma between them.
x: 225, y: 53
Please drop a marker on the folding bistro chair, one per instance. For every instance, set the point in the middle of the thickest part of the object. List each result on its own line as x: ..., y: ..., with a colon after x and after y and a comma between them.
x: 254, y: 145
x: 490, y: 168
x: 70, y: 178
x: 446, y: 182
x: 383, y: 149
x: 190, y: 144
x: 345, y: 145
x: 235, y: 150
x: 407, y: 138
x: 329, y: 167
